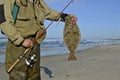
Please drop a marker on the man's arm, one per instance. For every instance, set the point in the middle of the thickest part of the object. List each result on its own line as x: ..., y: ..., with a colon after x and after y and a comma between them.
x: 8, y: 26
x: 50, y: 14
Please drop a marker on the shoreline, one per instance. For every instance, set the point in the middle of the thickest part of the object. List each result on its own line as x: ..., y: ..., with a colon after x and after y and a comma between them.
x: 98, y: 63
x: 2, y: 52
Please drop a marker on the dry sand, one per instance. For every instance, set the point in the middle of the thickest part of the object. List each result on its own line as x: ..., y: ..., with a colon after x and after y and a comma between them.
x: 99, y: 63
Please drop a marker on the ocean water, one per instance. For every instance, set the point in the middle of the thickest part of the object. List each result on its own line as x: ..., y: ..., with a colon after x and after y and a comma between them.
x: 54, y: 46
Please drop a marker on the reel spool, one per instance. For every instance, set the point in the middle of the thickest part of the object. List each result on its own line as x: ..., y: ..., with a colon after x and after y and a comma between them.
x: 31, y: 60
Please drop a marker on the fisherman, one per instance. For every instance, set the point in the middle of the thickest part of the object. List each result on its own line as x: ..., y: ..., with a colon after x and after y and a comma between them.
x: 21, y: 33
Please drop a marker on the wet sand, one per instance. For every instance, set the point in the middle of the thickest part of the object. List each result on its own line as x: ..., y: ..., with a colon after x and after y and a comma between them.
x: 99, y: 63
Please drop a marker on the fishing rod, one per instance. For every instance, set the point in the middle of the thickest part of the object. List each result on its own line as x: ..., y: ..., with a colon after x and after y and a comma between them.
x: 35, y: 40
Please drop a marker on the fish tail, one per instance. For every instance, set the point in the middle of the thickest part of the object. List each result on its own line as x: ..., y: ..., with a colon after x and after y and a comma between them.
x: 72, y: 56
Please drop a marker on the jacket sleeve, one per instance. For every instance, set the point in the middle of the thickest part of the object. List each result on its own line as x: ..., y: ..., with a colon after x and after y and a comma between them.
x: 49, y: 13
x: 8, y: 27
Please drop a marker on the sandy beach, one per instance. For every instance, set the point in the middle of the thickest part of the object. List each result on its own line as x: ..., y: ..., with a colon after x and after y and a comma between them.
x: 99, y: 63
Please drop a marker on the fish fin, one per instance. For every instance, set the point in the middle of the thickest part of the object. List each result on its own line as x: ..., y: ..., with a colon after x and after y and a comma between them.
x: 72, y: 56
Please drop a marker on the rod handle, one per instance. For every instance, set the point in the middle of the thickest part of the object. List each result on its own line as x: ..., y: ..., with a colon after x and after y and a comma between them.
x: 14, y: 64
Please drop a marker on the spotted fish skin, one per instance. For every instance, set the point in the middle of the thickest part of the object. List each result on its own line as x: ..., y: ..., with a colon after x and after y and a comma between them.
x: 72, y: 36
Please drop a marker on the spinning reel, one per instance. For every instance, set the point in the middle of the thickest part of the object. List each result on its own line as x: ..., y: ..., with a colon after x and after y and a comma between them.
x: 31, y: 60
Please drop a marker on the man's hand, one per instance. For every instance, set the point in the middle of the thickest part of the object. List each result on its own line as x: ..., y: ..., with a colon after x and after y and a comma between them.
x: 74, y: 19
x: 27, y: 43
